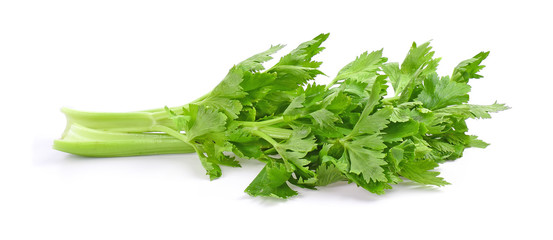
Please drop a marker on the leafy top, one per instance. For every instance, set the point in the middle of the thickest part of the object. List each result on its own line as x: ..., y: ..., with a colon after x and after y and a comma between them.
x: 312, y: 135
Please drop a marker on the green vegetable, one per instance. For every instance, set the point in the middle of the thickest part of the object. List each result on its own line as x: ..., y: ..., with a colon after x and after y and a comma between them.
x: 308, y: 135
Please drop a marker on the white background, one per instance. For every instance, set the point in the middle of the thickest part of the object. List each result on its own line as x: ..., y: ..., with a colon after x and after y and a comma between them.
x: 133, y: 55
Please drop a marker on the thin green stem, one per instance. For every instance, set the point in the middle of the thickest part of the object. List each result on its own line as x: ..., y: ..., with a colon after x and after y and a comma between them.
x: 390, y: 100
x: 171, y: 132
x: 263, y: 135
x: 275, y: 144
x: 329, y: 85
x: 269, y: 122
x: 275, y: 132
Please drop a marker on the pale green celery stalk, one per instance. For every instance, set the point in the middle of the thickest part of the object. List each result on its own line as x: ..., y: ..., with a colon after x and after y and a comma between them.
x: 80, y: 140
x: 119, y: 122
x: 139, y: 121
x: 101, y: 134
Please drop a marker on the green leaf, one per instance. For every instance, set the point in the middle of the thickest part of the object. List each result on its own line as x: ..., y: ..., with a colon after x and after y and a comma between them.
x: 324, y: 119
x: 215, y: 152
x: 328, y: 174
x: 373, y: 141
x: 475, y: 142
x: 296, y: 68
x: 254, y: 63
x: 483, y: 111
x: 372, y: 186
x: 400, y: 115
x: 399, y: 81
x: 419, y: 171
x: 469, y: 68
x: 180, y: 120
x: 254, y: 83
x: 368, y: 123
x: 355, y: 90
x: 402, y: 112
x: 274, y: 103
x: 397, y: 131
x: 365, y: 162
x: 375, y: 122
x: 291, y: 77
x: 416, y: 66
x: 252, y: 150
x: 295, y: 148
x: 419, y: 58
x: 271, y: 181
x: 442, y: 92
x: 302, y: 55
x: 475, y: 111
x: 223, y: 96
x: 441, y: 146
x: 211, y: 168
x: 363, y: 68
x: 204, y: 121
x: 295, y: 109
x: 337, y: 102
x: 400, y: 153
x: 314, y: 96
